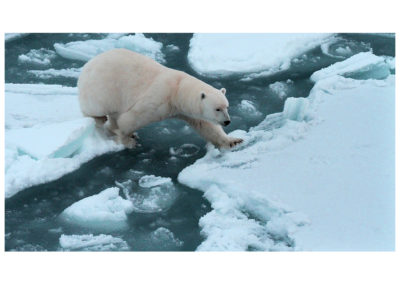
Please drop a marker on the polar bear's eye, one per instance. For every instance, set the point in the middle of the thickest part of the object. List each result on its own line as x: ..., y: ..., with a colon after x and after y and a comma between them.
x: 218, y: 109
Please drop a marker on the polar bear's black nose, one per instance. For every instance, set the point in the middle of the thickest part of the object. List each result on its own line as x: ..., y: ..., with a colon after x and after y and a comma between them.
x: 227, y: 122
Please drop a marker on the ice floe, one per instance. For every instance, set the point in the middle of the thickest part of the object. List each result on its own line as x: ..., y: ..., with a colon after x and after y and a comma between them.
x: 106, y: 210
x: 222, y: 54
x: 360, y: 66
x: 280, y: 89
x: 338, y: 47
x: 50, y: 73
x: 324, y: 182
x: 247, y: 107
x: 41, y: 56
x: 55, y: 138
x: 13, y: 36
x: 152, y: 194
x: 58, y: 140
x: 92, y: 243
x: 164, y: 237
x: 85, y: 50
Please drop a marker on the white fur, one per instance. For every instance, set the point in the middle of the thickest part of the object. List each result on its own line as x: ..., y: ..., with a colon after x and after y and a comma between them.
x: 133, y: 91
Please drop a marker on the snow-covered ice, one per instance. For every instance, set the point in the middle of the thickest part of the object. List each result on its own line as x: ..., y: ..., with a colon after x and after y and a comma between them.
x: 41, y: 56
x: 390, y: 62
x: 295, y: 108
x: 92, y: 243
x: 324, y: 184
x: 58, y: 140
x: 37, y: 112
x: 41, y: 89
x: 106, y: 210
x: 13, y: 36
x: 360, y: 66
x: 221, y: 54
x: 85, y: 50
x: 50, y: 73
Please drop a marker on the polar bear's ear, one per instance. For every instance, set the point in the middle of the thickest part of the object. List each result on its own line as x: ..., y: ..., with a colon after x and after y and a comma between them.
x: 223, y: 90
x: 202, y: 95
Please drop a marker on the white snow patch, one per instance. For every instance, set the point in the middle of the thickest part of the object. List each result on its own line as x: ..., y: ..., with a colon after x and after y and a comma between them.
x: 364, y: 65
x: 106, y: 210
x: 222, y: 54
x: 390, y: 62
x: 86, y: 50
x: 92, y: 243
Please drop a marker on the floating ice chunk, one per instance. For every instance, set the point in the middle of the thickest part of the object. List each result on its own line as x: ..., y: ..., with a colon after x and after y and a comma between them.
x: 29, y: 247
x: 360, y: 66
x: 104, y: 210
x: 164, y: 237
x: 172, y: 47
x: 221, y: 54
x: 116, y: 35
x: 344, y: 51
x: 390, y: 62
x: 85, y: 50
x: 50, y: 73
x: 295, y: 108
x: 185, y: 151
x: 146, y: 46
x: 247, y: 108
x: 151, y: 180
x: 52, y: 141
x: 280, y: 89
x: 38, y: 56
x: 92, y: 243
x: 41, y: 89
x: 13, y: 36
x: 155, y: 195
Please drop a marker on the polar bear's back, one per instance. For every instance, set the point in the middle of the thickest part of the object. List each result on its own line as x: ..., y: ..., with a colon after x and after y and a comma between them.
x: 113, y: 81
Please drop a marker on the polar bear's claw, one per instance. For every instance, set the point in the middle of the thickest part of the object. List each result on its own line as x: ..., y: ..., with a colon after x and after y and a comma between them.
x: 235, y: 142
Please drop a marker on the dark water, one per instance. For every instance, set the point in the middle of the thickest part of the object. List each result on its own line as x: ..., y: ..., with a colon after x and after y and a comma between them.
x: 32, y: 216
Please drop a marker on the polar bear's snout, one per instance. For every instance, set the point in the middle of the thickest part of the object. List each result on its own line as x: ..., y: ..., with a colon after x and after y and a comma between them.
x: 227, y: 122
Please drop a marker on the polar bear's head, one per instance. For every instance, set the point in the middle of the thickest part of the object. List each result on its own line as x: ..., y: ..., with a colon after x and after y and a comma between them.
x: 214, y: 106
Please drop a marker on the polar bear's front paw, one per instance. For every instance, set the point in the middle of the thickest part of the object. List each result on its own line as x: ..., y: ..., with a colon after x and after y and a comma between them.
x: 129, y: 143
x: 135, y: 135
x: 232, y: 142
x: 235, y: 141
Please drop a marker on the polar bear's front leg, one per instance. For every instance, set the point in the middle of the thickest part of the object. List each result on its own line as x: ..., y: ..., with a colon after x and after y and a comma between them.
x: 212, y: 133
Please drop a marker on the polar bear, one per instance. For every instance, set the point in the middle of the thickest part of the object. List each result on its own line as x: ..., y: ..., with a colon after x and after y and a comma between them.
x: 132, y: 90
